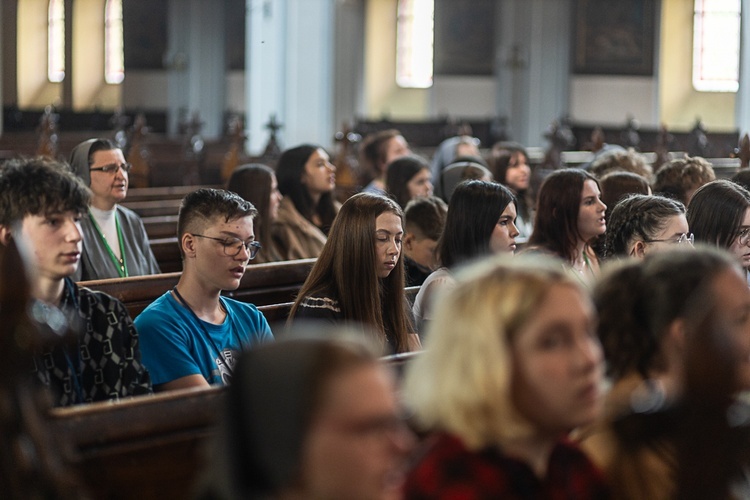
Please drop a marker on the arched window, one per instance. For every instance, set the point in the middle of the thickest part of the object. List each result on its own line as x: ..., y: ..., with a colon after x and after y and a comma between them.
x: 114, y: 65
x: 414, y: 42
x: 56, y: 41
x: 716, y: 45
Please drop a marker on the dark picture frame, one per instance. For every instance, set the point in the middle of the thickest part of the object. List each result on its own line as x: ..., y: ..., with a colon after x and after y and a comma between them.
x: 464, y: 37
x: 614, y: 37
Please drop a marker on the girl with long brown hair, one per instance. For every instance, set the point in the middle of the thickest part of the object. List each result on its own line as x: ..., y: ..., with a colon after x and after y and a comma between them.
x: 359, y: 276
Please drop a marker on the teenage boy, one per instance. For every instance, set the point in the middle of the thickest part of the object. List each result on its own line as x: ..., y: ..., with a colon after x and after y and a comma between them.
x: 190, y: 333
x: 41, y: 204
x: 424, y: 222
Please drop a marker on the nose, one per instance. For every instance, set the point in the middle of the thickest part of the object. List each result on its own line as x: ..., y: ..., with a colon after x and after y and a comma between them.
x: 402, y: 439
x: 603, y: 206
x: 244, y: 253
x: 590, y: 353
x: 73, y: 231
x: 514, y: 230
x: 331, y: 166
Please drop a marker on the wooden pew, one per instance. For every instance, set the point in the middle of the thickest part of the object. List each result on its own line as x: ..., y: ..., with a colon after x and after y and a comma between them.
x: 162, y: 193
x: 160, y: 226
x: 167, y: 253
x: 150, y: 208
x: 262, y: 284
x: 148, y: 447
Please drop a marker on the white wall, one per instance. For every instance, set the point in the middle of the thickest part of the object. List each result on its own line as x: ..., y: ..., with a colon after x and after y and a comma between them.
x: 608, y: 100
x: 462, y: 97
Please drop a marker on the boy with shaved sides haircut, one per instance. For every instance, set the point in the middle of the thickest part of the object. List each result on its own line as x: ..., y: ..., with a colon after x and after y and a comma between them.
x: 41, y: 205
x: 425, y: 219
x: 190, y: 333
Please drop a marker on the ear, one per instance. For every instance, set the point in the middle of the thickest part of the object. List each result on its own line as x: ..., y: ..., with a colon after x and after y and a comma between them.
x: 5, y: 235
x: 409, y: 240
x: 674, y: 339
x: 639, y: 249
x: 187, y: 242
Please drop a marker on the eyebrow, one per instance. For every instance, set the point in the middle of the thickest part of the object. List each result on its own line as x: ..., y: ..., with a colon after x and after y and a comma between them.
x: 235, y: 235
x: 387, y: 231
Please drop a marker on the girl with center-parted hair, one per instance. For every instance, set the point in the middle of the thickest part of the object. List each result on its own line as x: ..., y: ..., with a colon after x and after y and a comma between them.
x: 359, y: 276
x: 641, y: 224
x: 569, y: 216
x: 311, y: 416
x: 511, y: 366
x: 650, y: 311
x: 719, y: 215
x: 257, y: 184
x: 307, y: 179
x: 480, y: 222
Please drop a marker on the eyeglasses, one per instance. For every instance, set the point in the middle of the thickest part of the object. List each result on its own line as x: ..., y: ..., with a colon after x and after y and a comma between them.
x: 743, y: 236
x: 112, y: 168
x: 683, y: 238
x: 233, y: 246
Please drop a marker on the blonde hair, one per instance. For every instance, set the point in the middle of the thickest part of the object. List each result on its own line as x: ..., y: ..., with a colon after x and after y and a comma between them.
x: 461, y: 383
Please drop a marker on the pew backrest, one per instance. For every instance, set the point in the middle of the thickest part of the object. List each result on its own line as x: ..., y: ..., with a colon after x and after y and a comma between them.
x: 262, y: 284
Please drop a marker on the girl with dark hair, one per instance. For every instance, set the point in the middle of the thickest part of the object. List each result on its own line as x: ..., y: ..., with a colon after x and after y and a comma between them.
x: 640, y: 225
x: 376, y: 152
x: 719, y: 214
x: 257, y: 184
x: 570, y: 215
x: 306, y: 179
x: 651, y: 313
x: 510, y: 167
x: 408, y: 178
x: 480, y: 221
x: 359, y: 276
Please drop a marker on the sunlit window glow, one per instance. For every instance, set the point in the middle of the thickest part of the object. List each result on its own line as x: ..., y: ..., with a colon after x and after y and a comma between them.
x: 414, y: 43
x: 114, y: 61
x: 56, y: 41
x: 716, y: 45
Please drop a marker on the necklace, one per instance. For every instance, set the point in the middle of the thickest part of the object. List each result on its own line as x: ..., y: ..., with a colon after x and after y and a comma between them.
x: 120, y: 265
x: 220, y: 352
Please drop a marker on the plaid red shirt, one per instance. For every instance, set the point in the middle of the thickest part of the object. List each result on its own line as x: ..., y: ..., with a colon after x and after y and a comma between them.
x: 449, y: 470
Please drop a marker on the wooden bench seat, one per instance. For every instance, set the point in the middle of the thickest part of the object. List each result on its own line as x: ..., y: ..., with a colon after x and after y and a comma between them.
x: 262, y: 284
x: 167, y: 254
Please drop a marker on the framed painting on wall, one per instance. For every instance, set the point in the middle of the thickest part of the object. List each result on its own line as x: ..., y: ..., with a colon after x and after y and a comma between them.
x: 614, y: 37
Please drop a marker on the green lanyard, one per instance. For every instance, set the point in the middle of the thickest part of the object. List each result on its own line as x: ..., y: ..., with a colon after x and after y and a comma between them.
x: 122, y: 267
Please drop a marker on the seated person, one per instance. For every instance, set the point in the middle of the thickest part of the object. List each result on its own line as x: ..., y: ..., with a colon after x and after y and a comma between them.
x: 115, y: 243
x: 408, y: 178
x: 569, y: 219
x: 509, y: 164
x: 309, y: 418
x: 424, y: 222
x: 509, y: 369
x: 376, y: 152
x: 190, y: 333
x: 680, y: 178
x: 464, y: 168
x: 480, y: 222
x: 650, y: 313
x: 641, y: 225
x: 307, y: 180
x: 257, y: 184
x: 452, y: 148
x: 359, y: 276
x: 40, y: 208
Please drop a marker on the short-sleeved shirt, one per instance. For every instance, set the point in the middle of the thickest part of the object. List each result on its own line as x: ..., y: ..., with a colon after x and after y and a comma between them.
x: 175, y: 343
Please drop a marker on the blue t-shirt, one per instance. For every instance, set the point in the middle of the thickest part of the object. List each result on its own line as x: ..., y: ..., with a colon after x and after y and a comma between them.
x: 175, y: 344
